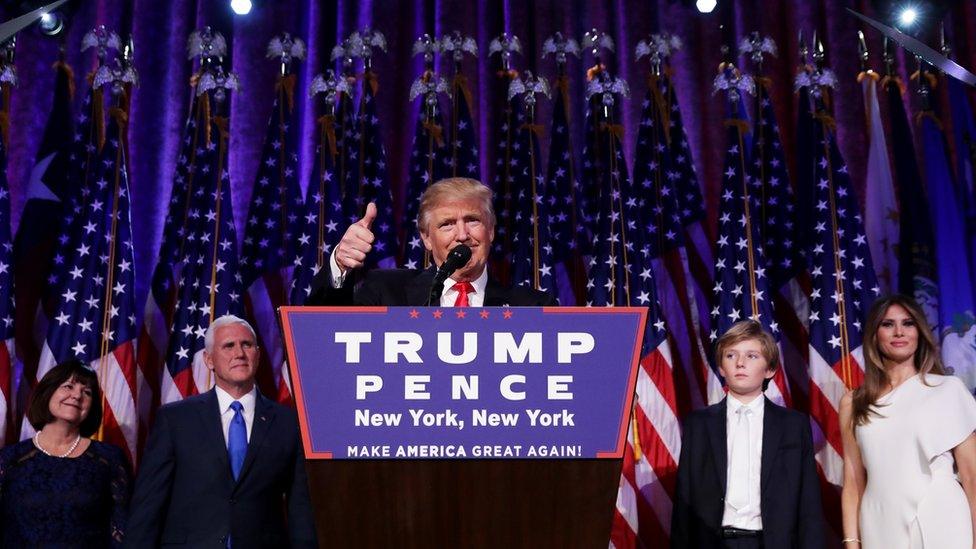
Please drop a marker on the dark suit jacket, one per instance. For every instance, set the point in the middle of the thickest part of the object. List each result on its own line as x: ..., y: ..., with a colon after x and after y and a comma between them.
x: 409, y: 287
x: 789, y: 487
x: 185, y: 493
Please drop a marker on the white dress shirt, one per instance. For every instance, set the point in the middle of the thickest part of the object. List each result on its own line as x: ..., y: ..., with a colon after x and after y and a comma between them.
x: 448, y: 296
x: 748, y: 517
x: 227, y: 413
x: 476, y: 298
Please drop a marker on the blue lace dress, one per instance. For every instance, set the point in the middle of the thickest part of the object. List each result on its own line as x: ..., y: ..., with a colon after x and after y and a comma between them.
x: 63, y: 502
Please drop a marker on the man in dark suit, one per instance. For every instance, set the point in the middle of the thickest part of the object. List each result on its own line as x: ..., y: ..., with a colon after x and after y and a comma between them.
x: 747, y: 477
x: 452, y: 211
x: 221, y: 469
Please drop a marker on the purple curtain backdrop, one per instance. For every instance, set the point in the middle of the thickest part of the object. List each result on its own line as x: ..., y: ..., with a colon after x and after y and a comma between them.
x: 159, y: 104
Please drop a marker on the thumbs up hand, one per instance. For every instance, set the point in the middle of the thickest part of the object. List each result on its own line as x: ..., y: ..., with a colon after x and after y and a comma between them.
x: 357, y: 241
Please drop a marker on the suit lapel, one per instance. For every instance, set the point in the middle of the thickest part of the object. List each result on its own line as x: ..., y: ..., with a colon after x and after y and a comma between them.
x: 209, y: 410
x: 717, y: 435
x: 418, y: 289
x: 264, y: 414
x: 495, y: 294
x: 772, y: 432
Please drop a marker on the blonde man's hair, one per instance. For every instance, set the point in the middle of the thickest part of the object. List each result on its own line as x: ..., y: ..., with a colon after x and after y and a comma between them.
x: 454, y: 189
x: 745, y: 330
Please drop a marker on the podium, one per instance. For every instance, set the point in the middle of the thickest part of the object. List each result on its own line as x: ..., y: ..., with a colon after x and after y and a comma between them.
x: 491, y: 427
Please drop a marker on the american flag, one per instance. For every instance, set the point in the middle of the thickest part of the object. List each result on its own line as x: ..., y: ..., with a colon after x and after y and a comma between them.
x: 511, y: 117
x: 774, y: 210
x: 8, y: 356
x: 271, y: 237
x: 843, y: 286
x: 742, y: 289
x: 566, y: 234
x: 429, y: 162
x: 209, y: 282
x: 655, y: 186
x: 324, y: 218
x: 96, y: 316
x: 532, y: 253
x: 691, y: 206
x: 462, y: 144
x: 157, y: 319
x: 48, y: 192
x: 87, y: 140
x: 461, y: 148
x: 368, y: 180
x: 621, y: 274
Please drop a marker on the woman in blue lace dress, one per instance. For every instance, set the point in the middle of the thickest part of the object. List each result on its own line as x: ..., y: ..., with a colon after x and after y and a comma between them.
x: 60, y: 488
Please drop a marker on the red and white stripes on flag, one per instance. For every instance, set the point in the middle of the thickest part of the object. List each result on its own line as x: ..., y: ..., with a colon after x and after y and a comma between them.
x: 642, y: 517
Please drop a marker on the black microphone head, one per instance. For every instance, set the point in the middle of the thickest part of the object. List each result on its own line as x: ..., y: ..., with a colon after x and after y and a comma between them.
x: 458, y: 257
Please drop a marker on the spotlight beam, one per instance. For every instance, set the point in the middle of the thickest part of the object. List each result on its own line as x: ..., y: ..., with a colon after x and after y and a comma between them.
x: 17, y: 24
x: 916, y: 47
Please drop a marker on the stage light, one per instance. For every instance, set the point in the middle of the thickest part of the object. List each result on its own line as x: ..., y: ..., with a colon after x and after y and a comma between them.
x: 907, y: 17
x: 705, y: 6
x: 51, y: 23
x: 241, y: 7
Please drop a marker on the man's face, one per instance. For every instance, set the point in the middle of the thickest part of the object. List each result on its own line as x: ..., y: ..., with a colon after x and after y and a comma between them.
x: 459, y: 222
x: 234, y: 359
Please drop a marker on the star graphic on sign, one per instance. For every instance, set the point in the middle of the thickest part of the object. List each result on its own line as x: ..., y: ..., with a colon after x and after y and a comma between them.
x: 461, y: 313
x: 507, y: 314
x: 438, y: 314
x: 484, y: 313
x: 414, y: 313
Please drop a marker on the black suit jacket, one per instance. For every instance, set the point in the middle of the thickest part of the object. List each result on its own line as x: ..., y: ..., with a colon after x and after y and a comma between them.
x: 410, y: 287
x: 186, y: 495
x: 789, y: 487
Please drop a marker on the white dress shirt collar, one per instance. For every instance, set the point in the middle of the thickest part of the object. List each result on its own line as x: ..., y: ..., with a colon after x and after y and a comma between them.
x: 756, y: 405
x: 475, y: 299
x: 248, y: 403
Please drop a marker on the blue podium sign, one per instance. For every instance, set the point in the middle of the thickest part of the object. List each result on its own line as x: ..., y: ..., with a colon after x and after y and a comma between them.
x: 463, y: 383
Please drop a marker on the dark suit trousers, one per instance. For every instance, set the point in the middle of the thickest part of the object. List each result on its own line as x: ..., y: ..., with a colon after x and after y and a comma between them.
x: 744, y: 543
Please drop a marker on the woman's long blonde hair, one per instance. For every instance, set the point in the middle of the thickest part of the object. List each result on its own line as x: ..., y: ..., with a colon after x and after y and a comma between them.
x: 875, y: 377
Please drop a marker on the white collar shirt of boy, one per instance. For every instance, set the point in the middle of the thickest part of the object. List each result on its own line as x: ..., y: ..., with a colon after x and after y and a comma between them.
x: 744, y: 432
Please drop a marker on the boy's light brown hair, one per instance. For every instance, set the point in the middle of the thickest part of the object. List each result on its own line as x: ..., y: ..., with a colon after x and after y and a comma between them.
x: 744, y: 330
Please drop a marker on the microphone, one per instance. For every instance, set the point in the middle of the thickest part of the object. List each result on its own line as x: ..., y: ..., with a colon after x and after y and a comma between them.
x: 458, y: 257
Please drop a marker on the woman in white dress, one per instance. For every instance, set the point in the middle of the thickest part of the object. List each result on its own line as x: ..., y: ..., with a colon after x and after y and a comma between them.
x: 909, y: 447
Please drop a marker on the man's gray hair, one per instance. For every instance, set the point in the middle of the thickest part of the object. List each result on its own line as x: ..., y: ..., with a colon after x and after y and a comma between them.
x: 208, y: 338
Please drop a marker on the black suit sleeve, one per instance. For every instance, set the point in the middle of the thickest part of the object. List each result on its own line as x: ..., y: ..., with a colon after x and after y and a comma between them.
x: 810, y: 519
x: 153, y: 486
x: 324, y: 294
x: 301, y: 522
x: 550, y: 300
x: 682, y: 514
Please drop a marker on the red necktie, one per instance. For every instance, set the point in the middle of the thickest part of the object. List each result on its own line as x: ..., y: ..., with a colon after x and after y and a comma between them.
x: 462, y: 289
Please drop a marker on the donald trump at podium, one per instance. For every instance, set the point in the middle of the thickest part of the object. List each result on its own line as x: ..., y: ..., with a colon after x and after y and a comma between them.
x: 454, y: 213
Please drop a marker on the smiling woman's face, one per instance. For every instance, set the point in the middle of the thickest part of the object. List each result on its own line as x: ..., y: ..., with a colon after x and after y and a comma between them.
x: 71, y: 402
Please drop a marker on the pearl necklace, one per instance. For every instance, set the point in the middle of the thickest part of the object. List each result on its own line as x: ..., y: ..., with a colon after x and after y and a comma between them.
x: 37, y: 443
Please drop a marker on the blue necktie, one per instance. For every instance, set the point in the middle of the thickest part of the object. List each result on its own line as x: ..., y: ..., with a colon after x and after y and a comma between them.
x: 237, y: 439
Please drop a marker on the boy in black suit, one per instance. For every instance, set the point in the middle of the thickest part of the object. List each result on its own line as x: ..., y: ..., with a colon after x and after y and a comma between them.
x: 746, y: 476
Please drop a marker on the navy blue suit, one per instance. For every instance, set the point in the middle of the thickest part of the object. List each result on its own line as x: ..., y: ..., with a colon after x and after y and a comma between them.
x: 186, y: 495
x: 789, y: 486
